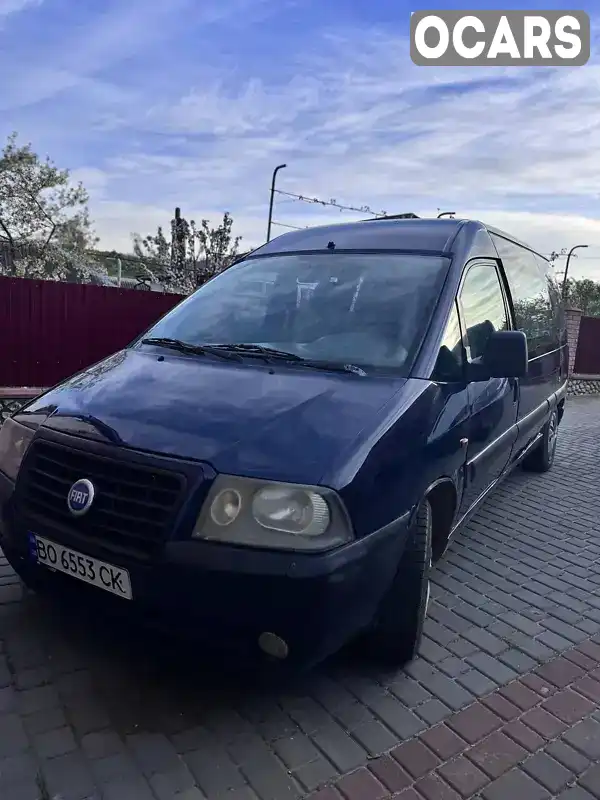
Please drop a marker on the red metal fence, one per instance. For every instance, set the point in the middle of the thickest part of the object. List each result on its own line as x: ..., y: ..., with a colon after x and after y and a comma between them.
x: 50, y: 330
x: 587, y: 355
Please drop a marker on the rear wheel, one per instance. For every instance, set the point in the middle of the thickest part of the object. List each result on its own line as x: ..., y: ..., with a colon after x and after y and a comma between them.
x: 542, y: 458
x: 396, y: 634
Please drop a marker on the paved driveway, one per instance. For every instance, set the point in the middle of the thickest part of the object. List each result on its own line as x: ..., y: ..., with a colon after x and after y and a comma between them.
x: 96, y: 712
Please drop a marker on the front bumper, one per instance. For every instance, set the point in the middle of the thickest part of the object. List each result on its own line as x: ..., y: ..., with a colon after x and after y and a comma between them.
x: 227, y: 596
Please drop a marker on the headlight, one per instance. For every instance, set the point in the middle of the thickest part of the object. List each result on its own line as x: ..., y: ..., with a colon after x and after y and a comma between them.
x: 280, y: 516
x: 14, y: 441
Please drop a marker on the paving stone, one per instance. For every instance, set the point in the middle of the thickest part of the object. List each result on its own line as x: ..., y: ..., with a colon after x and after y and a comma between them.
x: 453, y: 666
x: 131, y: 788
x: 585, y: 737
x: 589, y: 687
x: 462, y: 647
x: 463, y: 776
x: 490, y: 644
x: 443, y: 741
x: 552, y: 775
x: 560, y: 672
x: 70, y: 778
x: 448, y: 691
x: 543, y: 723
x: 410, y: 692
x: 403, y: 722
x: 16, y: 770
x: 214, y: 771
x: 518, y: 661
x: 590, y: 780
x: 523, y: 735
x: 520, y: 695
x: 102, y: 744
x: 474, y: 723
x: 295, y: 751
x: 567, y: 756
x: 115, y: 767
x: 568, y: 706
x: 415, y: 758
x: 476, y: 682
x: 153, y: 752
x: 13, y: 739
x: 434, y: 788
x: 362, y: 785
x: 538, y: 685
x: 316, y: 773
x: 171, y: 785
x: 591, y: 650
x: 390, y: 773
x: 433, y: 711
x: 344, y: 752
x: 515, y: 785
x: 55, y: 743
x: 501, y: 707
x: 41, y: 698
x: 496, y: 754
x: 575, y: 793
x: 328, y: 793
x: 44, y: 721
x: 580, y: 659
x: 269, y: 779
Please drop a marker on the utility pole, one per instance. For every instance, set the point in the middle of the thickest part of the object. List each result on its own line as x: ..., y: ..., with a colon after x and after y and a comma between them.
x: 571, y: 251
x: 275, y: 171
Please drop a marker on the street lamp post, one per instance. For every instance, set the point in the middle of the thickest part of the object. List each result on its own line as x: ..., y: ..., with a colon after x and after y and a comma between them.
x: 275, y: 171
x: 446, y: 214
x: 571, y: 251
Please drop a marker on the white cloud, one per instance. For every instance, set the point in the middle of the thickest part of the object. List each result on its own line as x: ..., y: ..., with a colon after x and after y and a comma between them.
x: 352, y: 117
x: 14, y: 6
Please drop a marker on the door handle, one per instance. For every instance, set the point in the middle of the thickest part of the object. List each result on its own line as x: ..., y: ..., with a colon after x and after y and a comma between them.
x: 515, y: 390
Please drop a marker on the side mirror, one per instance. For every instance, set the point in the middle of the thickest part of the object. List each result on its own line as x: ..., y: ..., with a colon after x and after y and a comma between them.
x: 505, y: 356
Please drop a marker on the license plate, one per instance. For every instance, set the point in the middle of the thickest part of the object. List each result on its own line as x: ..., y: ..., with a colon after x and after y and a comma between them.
x: 89, y: 570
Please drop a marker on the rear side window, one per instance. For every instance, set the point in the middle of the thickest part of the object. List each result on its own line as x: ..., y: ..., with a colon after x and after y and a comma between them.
x: 559, y: 323
x: 530, y: 292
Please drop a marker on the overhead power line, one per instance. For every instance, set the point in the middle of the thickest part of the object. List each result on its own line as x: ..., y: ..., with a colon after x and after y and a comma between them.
x: 333, y: 203
x: 293, y: 227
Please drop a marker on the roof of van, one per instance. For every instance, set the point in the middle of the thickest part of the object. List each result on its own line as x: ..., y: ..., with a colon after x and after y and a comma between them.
x: 431, y: 235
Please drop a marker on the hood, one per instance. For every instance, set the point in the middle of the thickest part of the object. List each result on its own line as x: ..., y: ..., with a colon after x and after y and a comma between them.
x: 276, y: 422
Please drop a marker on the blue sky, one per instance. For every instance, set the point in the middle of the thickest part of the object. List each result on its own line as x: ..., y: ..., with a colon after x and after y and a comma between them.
x: 157, y: 103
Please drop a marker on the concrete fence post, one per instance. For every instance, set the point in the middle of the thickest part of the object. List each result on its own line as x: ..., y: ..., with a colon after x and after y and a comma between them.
x: 573, y: 322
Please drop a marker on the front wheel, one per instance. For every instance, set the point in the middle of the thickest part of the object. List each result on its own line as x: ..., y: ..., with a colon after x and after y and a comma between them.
x: 542, y: 458
x: 398, y: 628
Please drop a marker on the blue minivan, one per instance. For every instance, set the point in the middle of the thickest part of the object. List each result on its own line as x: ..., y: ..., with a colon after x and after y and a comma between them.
x: 277, y: 463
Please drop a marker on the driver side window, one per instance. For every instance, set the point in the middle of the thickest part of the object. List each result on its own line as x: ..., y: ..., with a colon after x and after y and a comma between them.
x: 483, y: 308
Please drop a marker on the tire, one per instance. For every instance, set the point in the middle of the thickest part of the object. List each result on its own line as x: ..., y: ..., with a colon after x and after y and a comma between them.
x: 396, y: 634
x: 542, y: 458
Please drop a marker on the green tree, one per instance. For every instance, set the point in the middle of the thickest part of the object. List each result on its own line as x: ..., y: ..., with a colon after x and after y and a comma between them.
x: 45, y: 228
x: 584, y: 294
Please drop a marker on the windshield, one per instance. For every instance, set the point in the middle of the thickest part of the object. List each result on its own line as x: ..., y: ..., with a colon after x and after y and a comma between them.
x: 370, y: 310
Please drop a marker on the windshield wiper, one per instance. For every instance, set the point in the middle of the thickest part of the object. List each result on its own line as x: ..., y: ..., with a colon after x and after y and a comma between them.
x: 269, y: 353
x: 191, y: 349
x: 258, y: 350
x: 332, y: 366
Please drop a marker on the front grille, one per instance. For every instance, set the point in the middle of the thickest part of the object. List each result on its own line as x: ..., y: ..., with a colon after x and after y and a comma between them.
x: 134, y: 506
